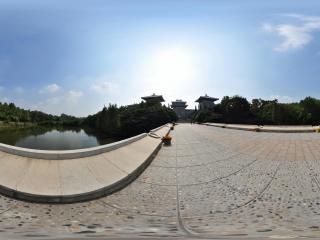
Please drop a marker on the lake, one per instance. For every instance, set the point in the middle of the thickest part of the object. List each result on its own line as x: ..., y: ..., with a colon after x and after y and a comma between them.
x: 54, y: 138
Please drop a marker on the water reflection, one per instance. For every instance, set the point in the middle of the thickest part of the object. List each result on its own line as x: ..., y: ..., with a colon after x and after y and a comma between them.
x: 54, y: 138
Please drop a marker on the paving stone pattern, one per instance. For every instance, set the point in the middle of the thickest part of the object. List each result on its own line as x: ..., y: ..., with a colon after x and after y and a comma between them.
x: 212, y: 182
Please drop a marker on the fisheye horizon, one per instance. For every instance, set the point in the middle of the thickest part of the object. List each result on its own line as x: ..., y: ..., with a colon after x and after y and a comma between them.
x: 62, y: 57
x: 160, y: 119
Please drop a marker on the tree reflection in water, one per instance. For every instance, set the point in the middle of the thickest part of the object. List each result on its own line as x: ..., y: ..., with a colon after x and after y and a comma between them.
x: 54, y: 138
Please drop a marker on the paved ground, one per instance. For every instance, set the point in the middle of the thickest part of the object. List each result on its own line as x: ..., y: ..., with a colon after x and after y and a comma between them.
x: 212, y: 182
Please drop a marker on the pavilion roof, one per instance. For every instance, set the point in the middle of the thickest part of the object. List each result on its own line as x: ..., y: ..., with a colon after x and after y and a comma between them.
x: 206, y: 98
x: 153, y: 97
x: 179, y: 101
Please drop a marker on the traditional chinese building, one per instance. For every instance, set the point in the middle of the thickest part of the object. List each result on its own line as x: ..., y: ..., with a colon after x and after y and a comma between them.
x: 179, y: 107
x: 153, y: 98
x: 206, y: 102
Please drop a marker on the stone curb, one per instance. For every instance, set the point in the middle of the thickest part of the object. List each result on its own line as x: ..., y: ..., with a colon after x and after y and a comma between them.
x: 68, y: 154
x: 256, y: 128
x: 72, y: 154
x: 88, y: 196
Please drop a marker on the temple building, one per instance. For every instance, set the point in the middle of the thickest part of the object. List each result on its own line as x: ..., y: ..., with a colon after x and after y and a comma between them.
x: 206, y: 102
x: 153, y: 98
x: 179, y: 107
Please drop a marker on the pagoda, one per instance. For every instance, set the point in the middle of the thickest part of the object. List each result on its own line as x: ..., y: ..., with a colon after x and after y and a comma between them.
x: 179, y: 107
x: 153, y: 98
x: 206, y: 102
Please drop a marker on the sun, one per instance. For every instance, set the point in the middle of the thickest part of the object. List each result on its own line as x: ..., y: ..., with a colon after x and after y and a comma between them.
x: 171, y: 71
x: 169, y: 67
x: 172, y: 64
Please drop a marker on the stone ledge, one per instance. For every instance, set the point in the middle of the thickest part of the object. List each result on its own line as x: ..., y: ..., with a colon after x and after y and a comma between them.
x: 68, y: 154
x: 266, y: 128
x: 86, y: 196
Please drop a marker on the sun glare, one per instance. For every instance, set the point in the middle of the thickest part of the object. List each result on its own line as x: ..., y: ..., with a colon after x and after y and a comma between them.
x: 172, y: 64
x: 169, y: 67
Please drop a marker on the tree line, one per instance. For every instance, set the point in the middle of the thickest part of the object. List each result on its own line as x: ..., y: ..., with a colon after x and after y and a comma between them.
x: 127, y: 121
x: 238, y: 109
x: 114, y: 121
x: 11, y: 113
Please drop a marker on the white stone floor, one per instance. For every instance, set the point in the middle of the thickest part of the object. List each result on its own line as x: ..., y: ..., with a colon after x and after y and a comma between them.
x: 212, y: 182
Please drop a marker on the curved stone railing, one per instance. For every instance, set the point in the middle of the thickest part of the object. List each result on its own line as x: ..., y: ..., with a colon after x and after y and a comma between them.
x: 68, y: 154
x: 91, y: 173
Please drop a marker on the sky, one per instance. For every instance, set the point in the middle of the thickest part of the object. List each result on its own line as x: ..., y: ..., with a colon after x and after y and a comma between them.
x: 76, y: 56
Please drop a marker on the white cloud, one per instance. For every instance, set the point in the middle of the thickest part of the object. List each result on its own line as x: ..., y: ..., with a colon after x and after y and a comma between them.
x: 18, y: 90
x: 52, y: 88
x: 294, y: 35
x: 104, y: 87
x: 70, y: 102
x: 72, y: 97
x: 54, y: 100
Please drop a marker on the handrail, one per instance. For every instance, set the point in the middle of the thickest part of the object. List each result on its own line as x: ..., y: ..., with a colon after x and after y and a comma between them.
x: 68, y: 154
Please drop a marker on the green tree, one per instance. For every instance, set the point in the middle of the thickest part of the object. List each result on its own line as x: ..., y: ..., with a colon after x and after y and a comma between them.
x: 109, y: 120
x: 311, y: 107
x: 235, y: 109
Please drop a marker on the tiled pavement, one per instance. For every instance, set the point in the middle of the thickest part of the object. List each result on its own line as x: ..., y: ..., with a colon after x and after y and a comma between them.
x: 211, y: 182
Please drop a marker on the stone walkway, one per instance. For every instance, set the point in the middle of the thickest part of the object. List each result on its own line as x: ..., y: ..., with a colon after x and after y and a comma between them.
x: 212, y: 182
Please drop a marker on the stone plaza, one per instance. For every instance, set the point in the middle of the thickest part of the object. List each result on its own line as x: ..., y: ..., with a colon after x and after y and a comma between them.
x: 210, y: 183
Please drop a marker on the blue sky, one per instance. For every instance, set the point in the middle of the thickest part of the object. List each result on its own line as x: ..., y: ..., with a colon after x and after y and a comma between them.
x: 76, y: 56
